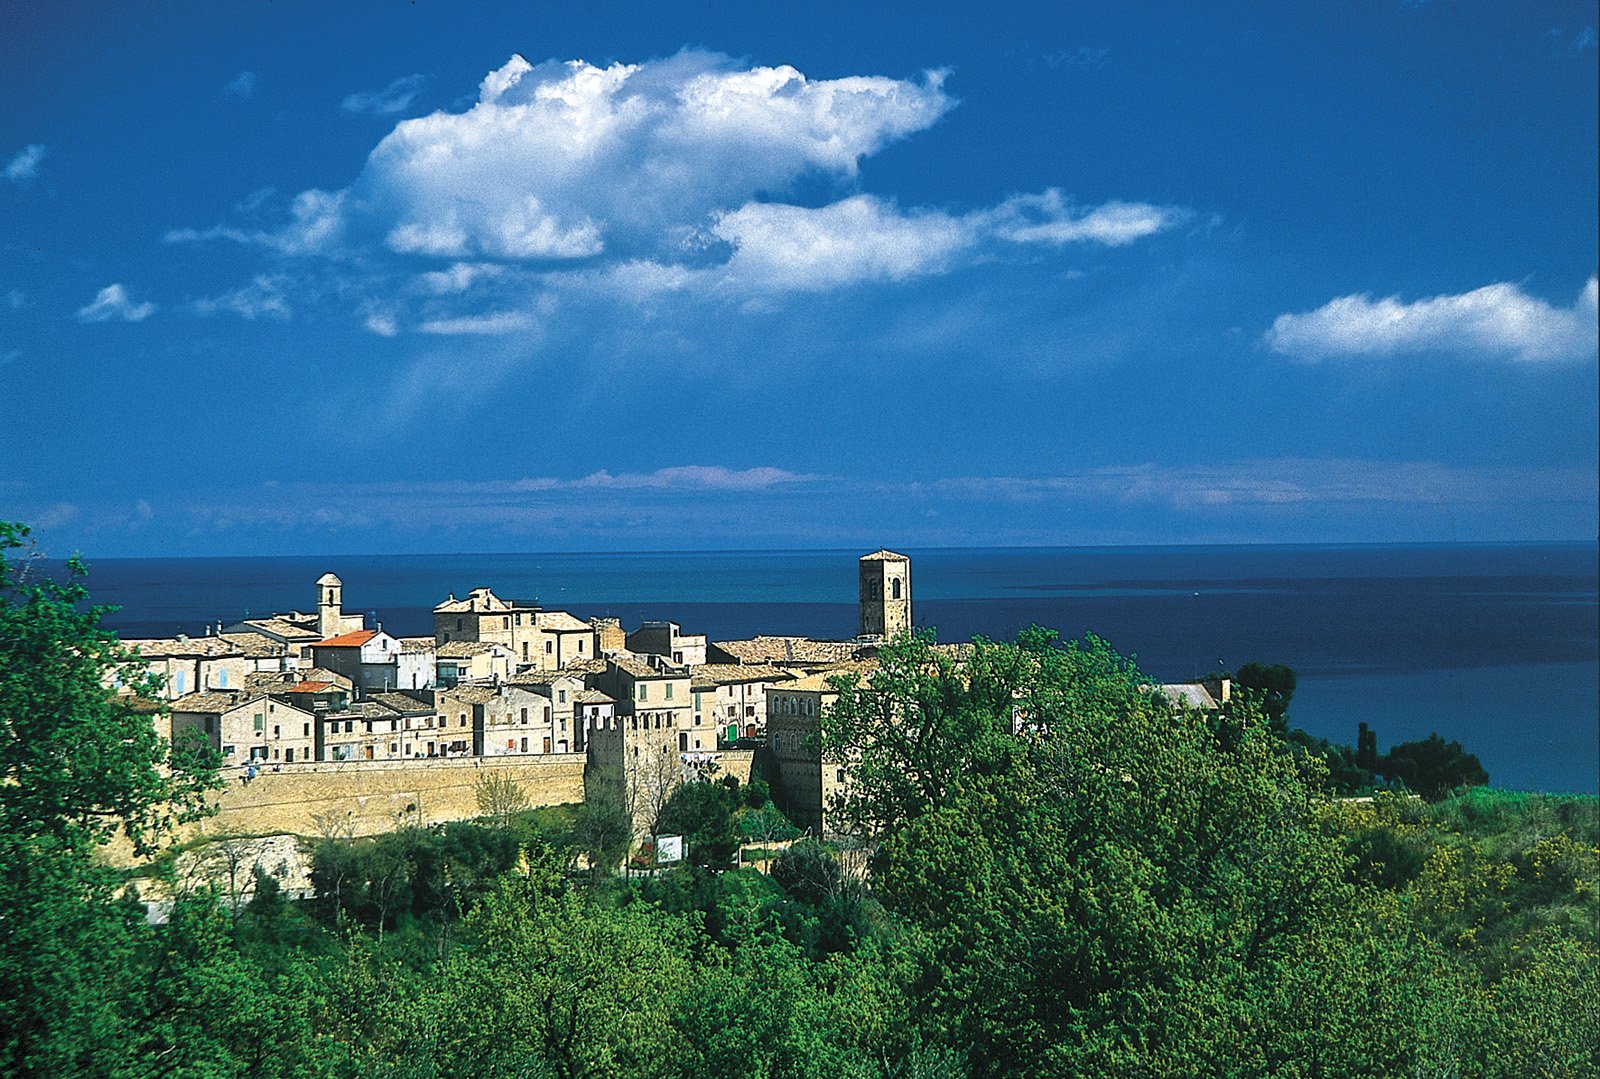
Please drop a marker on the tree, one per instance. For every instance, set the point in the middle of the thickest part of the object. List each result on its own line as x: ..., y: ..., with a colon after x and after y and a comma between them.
x: 500, y: 798
x: 1433, y: 767
x: 1274, y: 684
x: 79, y: 761
x: 1117, y: 889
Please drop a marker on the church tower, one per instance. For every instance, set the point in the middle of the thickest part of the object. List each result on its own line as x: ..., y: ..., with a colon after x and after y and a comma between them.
x: 885, y: 594
x: 329, y: 598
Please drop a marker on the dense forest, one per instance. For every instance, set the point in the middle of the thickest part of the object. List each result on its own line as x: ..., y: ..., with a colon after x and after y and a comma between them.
x: 1057, y: 873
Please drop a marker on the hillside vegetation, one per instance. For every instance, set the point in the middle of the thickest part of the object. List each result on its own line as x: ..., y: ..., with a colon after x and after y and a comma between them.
x: 1060, y: 875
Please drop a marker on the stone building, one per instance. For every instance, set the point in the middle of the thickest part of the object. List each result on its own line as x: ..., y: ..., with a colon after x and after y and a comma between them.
x: 730, y: 702
x: 242, y: 727
x: 635, y: 761
x: 807, y: 784
x: 667, y: 640
x: 199, y: 664
x: 370, y: 658
x: 885, y: 594
x: 472, y: 661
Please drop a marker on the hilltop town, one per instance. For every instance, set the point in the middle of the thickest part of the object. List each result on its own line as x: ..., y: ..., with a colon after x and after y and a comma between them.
x: 502, y: 681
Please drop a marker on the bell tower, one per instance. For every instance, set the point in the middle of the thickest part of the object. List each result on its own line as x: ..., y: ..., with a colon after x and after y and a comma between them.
x: 330, y: 595
x: 885, y: 594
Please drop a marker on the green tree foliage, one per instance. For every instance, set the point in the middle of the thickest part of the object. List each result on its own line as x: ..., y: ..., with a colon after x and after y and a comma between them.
x: 78, y: 761
x: 1433, y: 767
x: 702, y: 812
x: 1273, y: 685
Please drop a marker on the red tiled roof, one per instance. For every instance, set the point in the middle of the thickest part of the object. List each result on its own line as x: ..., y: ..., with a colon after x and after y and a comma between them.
x: 310, y: 687
x: 348, y: 640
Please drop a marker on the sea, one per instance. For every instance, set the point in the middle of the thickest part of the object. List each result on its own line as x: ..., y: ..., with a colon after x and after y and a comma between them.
x: 1495, y: 646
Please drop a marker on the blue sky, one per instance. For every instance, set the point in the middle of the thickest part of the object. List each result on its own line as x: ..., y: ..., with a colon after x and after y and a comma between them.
x: 413, y: 277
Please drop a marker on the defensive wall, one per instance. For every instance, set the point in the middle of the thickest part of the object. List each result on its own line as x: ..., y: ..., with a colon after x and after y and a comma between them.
x: 367, y: 797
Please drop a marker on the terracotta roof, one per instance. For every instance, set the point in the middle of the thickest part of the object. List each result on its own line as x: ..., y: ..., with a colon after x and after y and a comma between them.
x: 188, y: 647
x: 593, y: 696
x: 560, y: 621
x: 215, y: 701
x: 416, y: 700
x: 881, y: 555
x: 254, y: 644
x: 723, y: 674
x: 468, y: 694
x: 280, y: 681
x: 348, y: 640
x: 466, y: 649
x: 310, y: 687
x: 781, y: 650
x: 578, y: 668
x: 638, y: 668
x: 275, y: 627
x: 1192, y: 694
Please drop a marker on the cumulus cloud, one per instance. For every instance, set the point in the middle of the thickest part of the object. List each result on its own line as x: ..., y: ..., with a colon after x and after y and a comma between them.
x: 241, y: 85
x: 635, y: 180
x: 778, y: 247
x: 392, y: 99
x: 112, y: 304
x: 1499, y: 321
x: 24, y: 164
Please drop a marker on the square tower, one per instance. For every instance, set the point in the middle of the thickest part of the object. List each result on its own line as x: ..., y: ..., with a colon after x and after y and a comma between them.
x: 885, y: 594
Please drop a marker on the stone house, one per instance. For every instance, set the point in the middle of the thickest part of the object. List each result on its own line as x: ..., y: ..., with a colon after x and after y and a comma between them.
x: 667, y: 640
x: 730, y: 701
x: 471, y: 661
x: 370, y: 658
x: 199, y: 664
x: 244, y: 727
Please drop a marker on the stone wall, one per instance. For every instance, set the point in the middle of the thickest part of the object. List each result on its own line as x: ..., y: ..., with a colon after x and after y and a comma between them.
x: 376, y: 796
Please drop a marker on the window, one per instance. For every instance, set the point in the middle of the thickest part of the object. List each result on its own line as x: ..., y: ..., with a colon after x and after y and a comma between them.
x: 458, y: 623
x: 524, y: 745
x: 519, y: 622
x: 524, y: 715
x: 669, y: 691
x: 227, y: 751
x: 896, y: 586
x: 549, y: 646
x: 261, y: 722
x: 840, y: 775
x: 222, y: 678
x: 179, y: 679
x: 872, y: 590
x: 508, y: 622
x: 561, y: 696
x: 580, y: 644
x: 547, y: 745
x: 275, y: 732
x: 644, y: 691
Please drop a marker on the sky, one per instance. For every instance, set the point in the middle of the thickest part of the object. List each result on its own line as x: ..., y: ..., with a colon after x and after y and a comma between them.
x: 411, y: 277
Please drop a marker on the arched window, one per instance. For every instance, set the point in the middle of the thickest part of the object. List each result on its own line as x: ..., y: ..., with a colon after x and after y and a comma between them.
x: 897, y: 588
x: 872, y: 590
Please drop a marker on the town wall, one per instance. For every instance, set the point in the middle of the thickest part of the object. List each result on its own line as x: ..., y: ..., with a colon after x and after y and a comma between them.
x: 378, y: 796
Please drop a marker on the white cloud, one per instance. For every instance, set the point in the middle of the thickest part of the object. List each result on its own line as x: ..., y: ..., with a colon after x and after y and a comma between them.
x: 691, y: 478
x: 779, y: 248
x: 1279, y: 482
x: 633, y: 181
x: 24, y: 164
x: 1049, y: 218
x: 112, y: 304
x: 490, y: 324
x: 265, y: 296
x: 1498, y: 321
x: 241, y: 85
x: 392, y: 99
